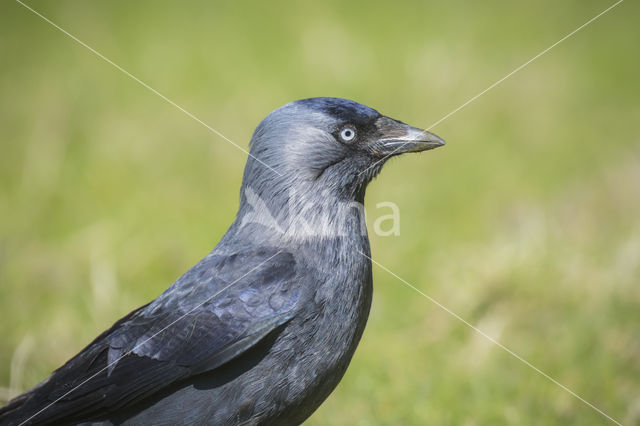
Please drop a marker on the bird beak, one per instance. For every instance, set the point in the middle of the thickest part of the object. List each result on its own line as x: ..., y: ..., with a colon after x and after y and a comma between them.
x: 399, y: 138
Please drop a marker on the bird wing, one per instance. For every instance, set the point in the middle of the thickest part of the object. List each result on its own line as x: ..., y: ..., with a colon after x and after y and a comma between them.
x: 216, y: 311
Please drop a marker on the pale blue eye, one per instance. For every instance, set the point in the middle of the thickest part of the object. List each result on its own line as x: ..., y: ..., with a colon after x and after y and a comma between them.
x: 347, y: 134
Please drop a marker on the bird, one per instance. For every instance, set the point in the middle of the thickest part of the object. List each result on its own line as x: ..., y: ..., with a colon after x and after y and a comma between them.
x: 262, y: 329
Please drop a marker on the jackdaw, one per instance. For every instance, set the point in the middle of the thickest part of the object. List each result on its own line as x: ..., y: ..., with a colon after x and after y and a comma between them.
x: 263, y: 328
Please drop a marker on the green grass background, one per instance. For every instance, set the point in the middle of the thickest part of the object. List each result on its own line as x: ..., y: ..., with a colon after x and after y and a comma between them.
x: 526, y: 224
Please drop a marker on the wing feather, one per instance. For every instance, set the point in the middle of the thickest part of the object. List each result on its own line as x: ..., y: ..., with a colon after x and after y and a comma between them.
x: 216, y: 311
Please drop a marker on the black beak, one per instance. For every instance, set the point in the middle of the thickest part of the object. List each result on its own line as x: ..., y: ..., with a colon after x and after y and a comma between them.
x: 398, y: 138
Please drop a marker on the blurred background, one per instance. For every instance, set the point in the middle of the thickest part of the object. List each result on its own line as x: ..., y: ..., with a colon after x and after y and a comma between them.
x: 526, y: 224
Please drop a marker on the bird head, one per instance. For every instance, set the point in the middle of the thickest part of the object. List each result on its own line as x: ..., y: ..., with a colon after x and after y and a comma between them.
x: 329, y: 144
x: 323, y: 149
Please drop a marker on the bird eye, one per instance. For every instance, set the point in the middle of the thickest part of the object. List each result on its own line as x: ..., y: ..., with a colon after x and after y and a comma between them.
x: 347, y: 134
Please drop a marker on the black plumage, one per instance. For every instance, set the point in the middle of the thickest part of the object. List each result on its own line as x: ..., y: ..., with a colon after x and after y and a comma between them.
x: 262, y: 329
